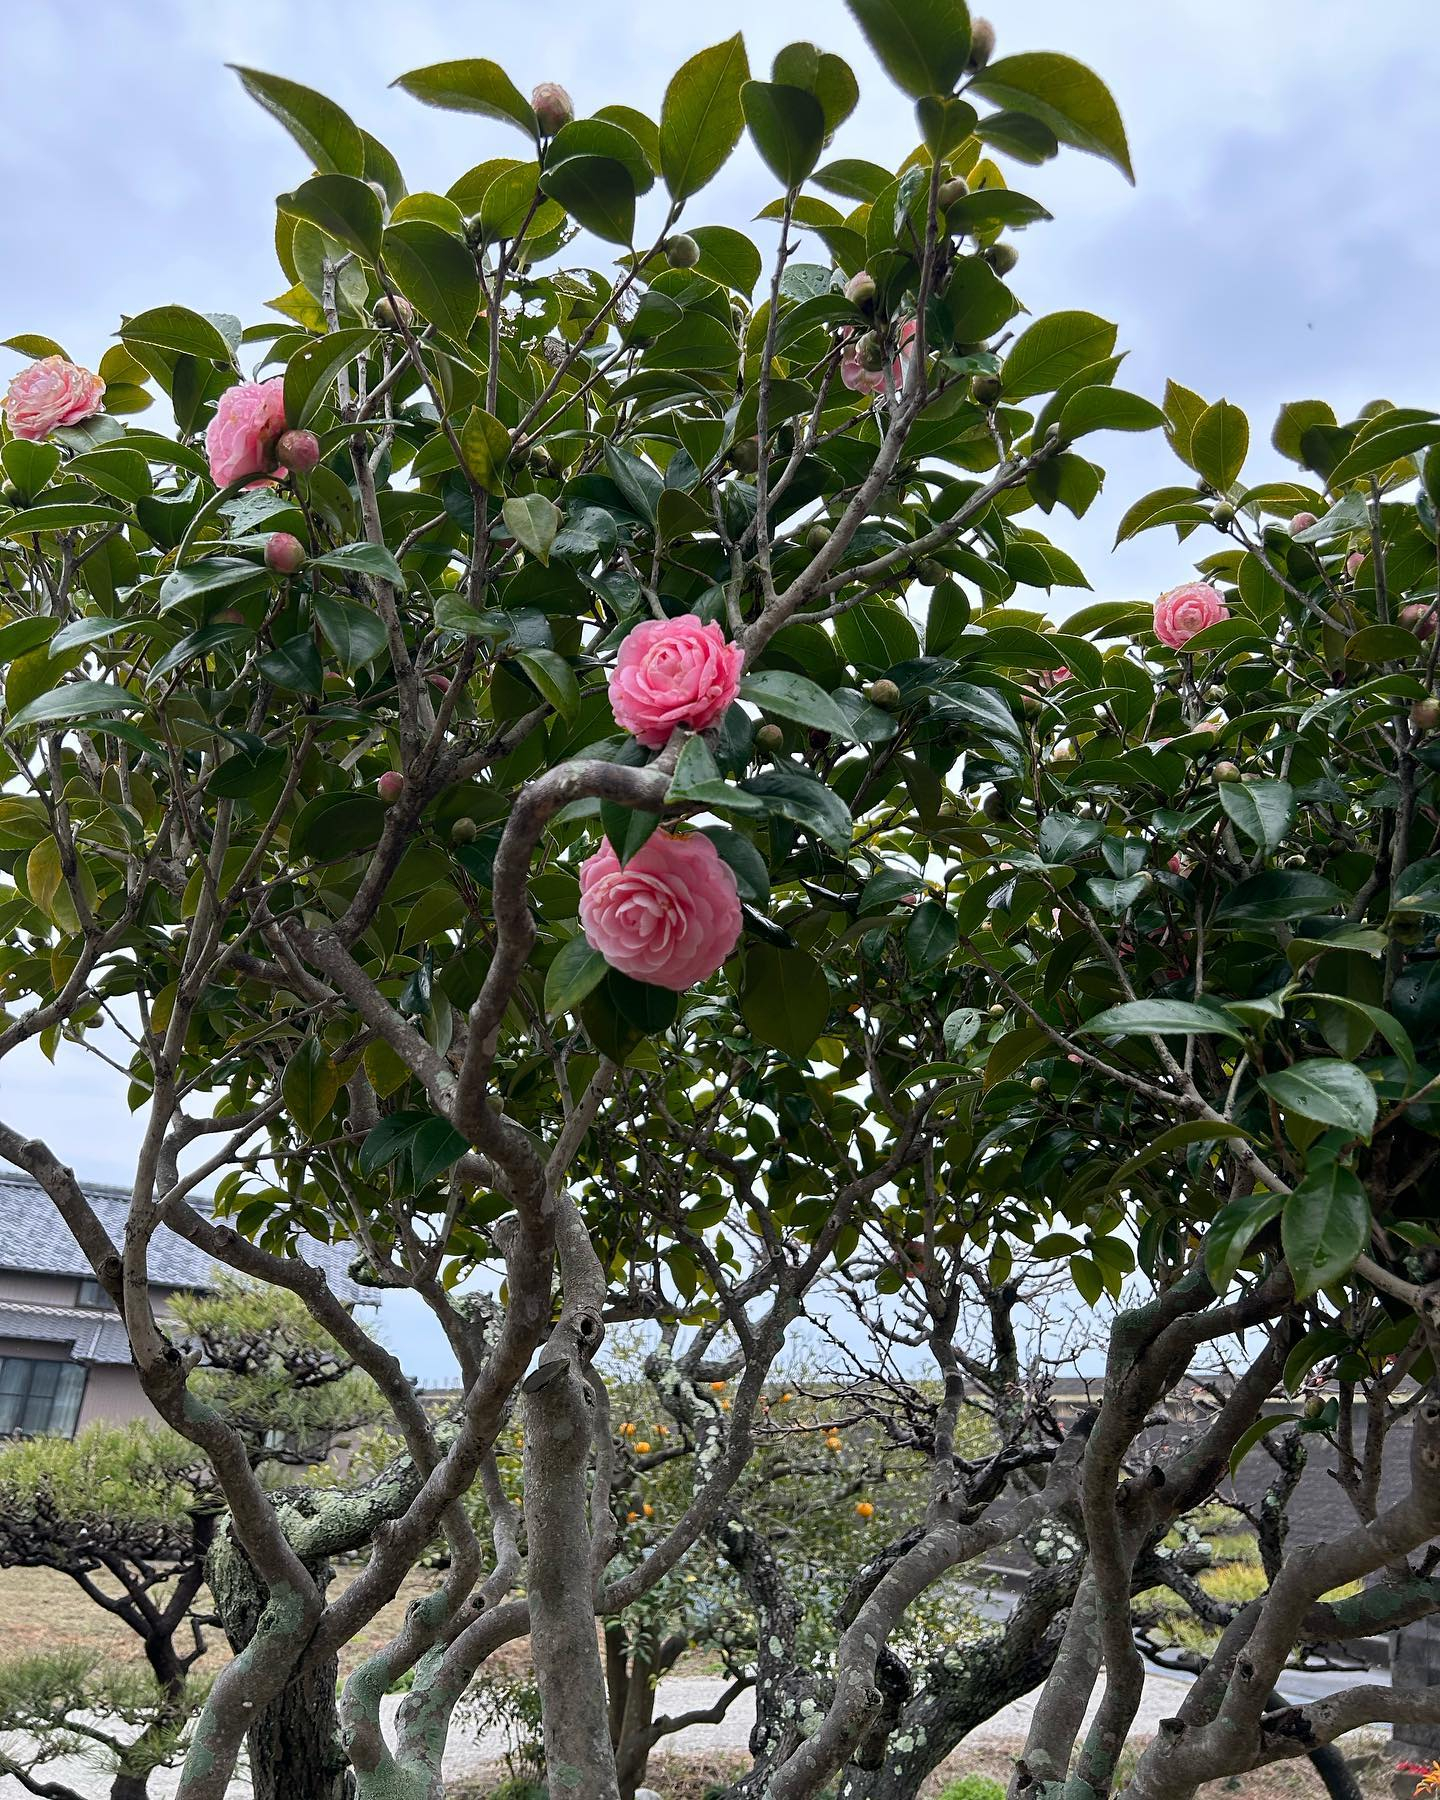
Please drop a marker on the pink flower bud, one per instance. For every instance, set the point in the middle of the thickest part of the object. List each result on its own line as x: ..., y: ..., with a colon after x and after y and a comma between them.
x: 284, y: 553
x: 298, y: 450
x: 860, y: 289
x: 441, y: 682
x: 553, y: 107
x: 1301, y: 522
x: 390, y: 786
x: 1419, y: 617
x: 1354, y: 563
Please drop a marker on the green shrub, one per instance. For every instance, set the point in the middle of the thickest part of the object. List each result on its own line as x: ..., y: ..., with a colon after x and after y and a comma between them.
x: 974, y: 1787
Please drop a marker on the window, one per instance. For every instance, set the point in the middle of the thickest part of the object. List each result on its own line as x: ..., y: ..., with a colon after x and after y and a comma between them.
x: 39, y: 1399
x: 91, y: 1293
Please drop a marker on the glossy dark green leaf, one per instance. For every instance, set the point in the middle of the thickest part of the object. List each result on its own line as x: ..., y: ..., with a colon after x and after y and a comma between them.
x: 472, y: 85
x: 785, y: 999
x: 343, y: 207
x: 1330, y: 1093
x: 597, y: 191
x: 435, y: 272
x: 1325, y: 1225
x: 788, y: 127
x: 1065, y: 96
x: 701, y: 120
x: 922, y: 45
x: 324, y: 131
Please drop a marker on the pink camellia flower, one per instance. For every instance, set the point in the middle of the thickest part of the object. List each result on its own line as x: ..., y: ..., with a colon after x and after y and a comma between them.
x: 51, y: 393
x: 670, y: 917
x: 1045, y: 679
x: 241, y: 438
x: 1184, y: 611
x: 861, y: 380
x: 673, y: 672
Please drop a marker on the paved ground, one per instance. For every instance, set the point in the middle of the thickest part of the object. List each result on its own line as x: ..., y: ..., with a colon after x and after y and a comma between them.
x: 469, y: 1755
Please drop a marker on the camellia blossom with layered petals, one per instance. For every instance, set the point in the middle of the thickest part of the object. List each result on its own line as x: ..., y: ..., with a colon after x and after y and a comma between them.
x: 49, y: 393
x: 669, y: 917
x: 673, y: 672
x: 1184, y: 611
x: 240, y: 440
x: 861, y: 380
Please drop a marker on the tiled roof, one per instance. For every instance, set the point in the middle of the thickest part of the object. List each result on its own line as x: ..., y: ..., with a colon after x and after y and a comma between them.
x: 34, y: 1238
x: 93, y: 1337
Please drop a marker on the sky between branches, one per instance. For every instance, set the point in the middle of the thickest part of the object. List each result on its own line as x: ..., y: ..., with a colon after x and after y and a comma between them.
x: 1280, y: 243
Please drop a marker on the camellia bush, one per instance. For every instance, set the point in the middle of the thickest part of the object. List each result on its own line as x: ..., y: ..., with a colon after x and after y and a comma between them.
x: 563, y: 771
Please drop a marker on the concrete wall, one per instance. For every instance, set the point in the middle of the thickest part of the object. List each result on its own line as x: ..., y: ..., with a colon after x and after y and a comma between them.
x: 38, y: 1290
x: 113, y: 1394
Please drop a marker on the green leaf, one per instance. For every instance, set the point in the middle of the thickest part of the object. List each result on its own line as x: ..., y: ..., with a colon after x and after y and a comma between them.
x: 89, y: 630
x: 435, y: 272
x: 1108, y: 409
x: 1054, y: 348
x: 61, y: 515
x: 576, y: 970
x: 648, y: 1008
x: 313, y: 368
x: 786, y: 998
x: 327, y: 134
x: 177, y: 328
x: 294, y: 665
x: 1219, y: 443
x: 1384, y: 448
x: 604, y: 137
x: 74, y: 701
x: 1165, y: 506
x: 211, y: 576
x: 922, y: 45
x: 333, y: 826
x: 1161, y: 1018
x: 29, y: 465
x: 1278, y: 896
x: 197, y: 643
x: 1381, y: 643
x: 555, y: 679
x: 1379, y: 1021
x: 343, y: 207
x: 1296, y: 418
x: 435, y: 1146
x: 702, y: 118
x: 945, y: 122
x: 353, y: 632
x: 1178, y: 1137
x: 752, y: 878
x: 1064, y: 95
x: 361, y: 559
x: 930, y: 937
x: 1331, y: 1093
x: 799, y: 797
x: 1263, y: 810
x: 598, y: 192
x: 309, y: 1086
x: 472, y: 85
x: 533, y: 521
x: 485, y: 445
x: 1325, y: 1226
x: 628, y: 828
x: 795, y: 697
x: 788, y: 126
x: 1252, y: 1435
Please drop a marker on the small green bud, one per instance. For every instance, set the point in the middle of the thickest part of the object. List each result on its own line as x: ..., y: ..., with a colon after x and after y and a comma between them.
x: 985, y: 389
x: 769, y: 737
x: 745, y: 455
x: 464, y: 831
x: 956, y: 188
x: 1002, y: 258
x: 997, y: 1011
x: 930, y: 572
x: 1425, y: 714
x: 1222, y: 513
x: 870, y: 352
x: 982, y: 43
x: 1039, y: 1084
x: 816, y: 538
x: 390, y: 313
x: 681, y: 251
x: 1226, y: 771
x: 883, y: 693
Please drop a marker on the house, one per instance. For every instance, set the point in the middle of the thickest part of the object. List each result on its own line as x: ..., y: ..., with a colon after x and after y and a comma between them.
x: 64, y: 1357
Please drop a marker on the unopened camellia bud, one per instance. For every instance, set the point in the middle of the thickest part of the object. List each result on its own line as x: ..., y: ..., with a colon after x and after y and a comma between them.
x: 390, y: 786
x: 1039, y: 1084
x: 1314, y: 1406
x: 1419, y: 618
x: 1301, y: 522
x: 1354, y: 563
x: 995, y: 806
x: 284, y: 553
x: 553, y: 107
x: 540, y: 460
x: 883, y: 693
x: 464, y: 831
x: 298, y: 451
x: 860, y: 290
x: 745, y: 455
x: 816, y: 538
x: 985, y: 389
x: 930, y: 572
x: 1227, y: 771
x: 1002, y: 258
x: 956, y: 188
x: 681, y: 251
x: 391, y: 311
x: 769, y: 737
x: 1222, y: 513
x: 996, y: 1010
x: 982, y: 43
x: 1425, y: 714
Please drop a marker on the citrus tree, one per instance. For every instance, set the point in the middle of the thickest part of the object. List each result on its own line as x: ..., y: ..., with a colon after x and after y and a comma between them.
x: 500, y: 765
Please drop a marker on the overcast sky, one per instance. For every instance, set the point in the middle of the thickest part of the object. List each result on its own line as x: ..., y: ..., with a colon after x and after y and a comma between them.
x: 1280, y: 242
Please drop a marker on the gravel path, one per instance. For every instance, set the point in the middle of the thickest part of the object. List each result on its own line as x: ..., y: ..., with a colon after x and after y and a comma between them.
x: 470, y: 1755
